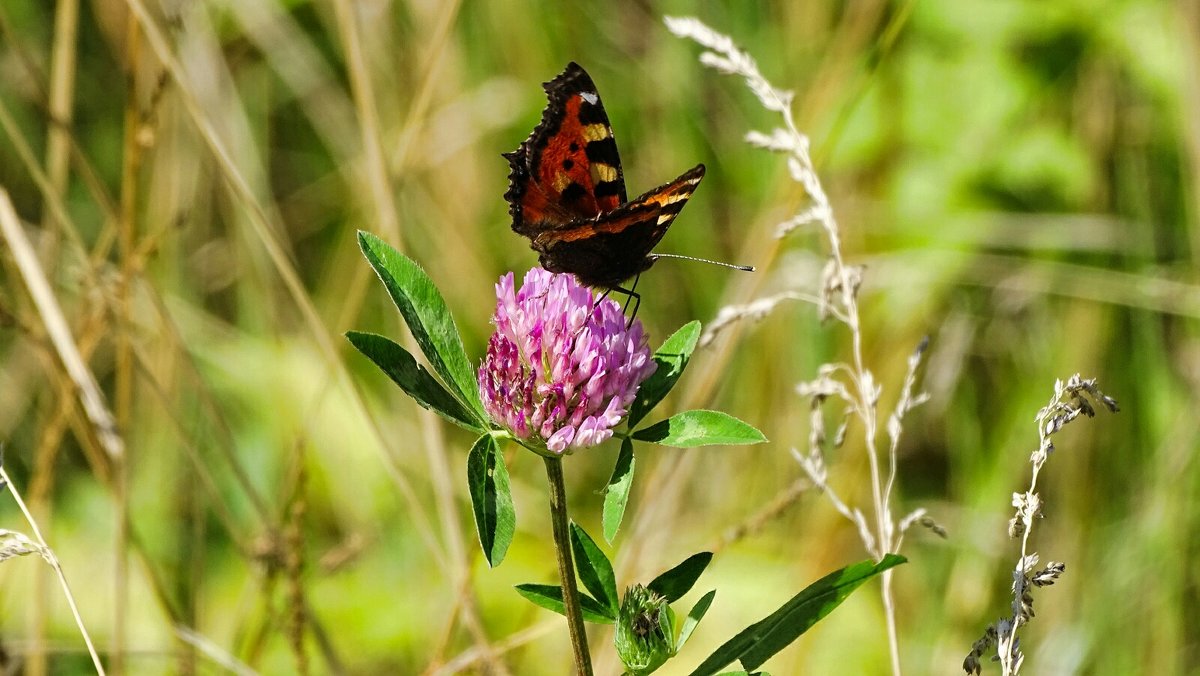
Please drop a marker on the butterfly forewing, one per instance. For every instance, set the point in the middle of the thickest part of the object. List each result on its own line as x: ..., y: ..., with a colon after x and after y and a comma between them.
x: 568, y: 168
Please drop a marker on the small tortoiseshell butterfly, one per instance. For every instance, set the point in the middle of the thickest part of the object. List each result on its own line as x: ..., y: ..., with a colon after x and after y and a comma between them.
x: 566, y: 192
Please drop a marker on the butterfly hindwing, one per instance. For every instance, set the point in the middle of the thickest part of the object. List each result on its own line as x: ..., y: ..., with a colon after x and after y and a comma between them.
x: 568, y: 168
x: 615, y: 246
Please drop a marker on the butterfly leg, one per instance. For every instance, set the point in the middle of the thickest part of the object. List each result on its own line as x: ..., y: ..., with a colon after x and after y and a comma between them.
x: 637, y: 303
x: 630, y: 295
x: 602, y: 297
x: 635, y: 297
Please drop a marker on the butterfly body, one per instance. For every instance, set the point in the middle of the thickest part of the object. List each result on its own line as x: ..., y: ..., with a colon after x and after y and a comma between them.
x: 567, y: 191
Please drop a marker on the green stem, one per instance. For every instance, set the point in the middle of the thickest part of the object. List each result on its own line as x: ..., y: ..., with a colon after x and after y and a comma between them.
x: 566, y: 568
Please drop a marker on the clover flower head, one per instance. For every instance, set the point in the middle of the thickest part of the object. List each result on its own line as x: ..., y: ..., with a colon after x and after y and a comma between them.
x: 562, y: 369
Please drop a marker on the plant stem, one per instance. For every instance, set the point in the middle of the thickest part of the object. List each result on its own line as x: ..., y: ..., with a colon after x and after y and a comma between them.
x: 889, y: 612
x: 566, y: 568
x: 52, y: 558
x: 867, y: 402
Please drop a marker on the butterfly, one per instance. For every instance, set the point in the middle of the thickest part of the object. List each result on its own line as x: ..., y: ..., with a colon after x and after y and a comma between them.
x: 566, y: 192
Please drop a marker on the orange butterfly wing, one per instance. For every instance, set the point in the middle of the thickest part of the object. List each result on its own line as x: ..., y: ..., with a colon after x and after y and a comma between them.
x: 569, y: 167
x: 615, y: 246
x: 567, y: 191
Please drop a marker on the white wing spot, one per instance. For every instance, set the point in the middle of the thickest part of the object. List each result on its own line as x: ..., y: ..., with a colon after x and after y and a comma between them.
x: 590, y: 97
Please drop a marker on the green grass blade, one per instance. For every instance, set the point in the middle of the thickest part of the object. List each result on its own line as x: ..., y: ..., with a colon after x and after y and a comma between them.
x: 758, y: 642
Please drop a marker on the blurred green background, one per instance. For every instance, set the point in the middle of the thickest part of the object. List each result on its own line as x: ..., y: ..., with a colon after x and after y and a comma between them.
x: 1021, y: 180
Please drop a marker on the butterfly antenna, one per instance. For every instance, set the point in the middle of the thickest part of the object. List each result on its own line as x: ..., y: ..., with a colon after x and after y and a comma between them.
x: 743, y: 268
